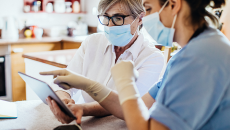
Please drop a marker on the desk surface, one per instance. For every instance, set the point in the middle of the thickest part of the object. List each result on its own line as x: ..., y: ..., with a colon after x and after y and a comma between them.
x: 35, y: 115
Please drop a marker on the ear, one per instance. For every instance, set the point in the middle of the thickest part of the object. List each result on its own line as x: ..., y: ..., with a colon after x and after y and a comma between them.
x: 140, y: 18
x: 175, y: 6
x: 142, y: 14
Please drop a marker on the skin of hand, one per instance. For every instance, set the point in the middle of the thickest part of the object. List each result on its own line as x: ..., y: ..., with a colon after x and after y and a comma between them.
x: 65, y: 97
x: 76, y: 109
x: 68, y: 101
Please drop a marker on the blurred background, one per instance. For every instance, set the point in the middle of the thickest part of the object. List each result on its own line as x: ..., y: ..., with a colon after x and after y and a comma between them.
x: 32, y: 26
x: 54, y: 17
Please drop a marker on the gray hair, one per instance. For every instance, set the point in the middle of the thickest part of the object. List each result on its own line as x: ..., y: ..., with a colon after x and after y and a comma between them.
x: 134, y: 7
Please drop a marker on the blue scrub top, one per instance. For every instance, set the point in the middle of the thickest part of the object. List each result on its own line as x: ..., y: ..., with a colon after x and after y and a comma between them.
x: 194, y: 93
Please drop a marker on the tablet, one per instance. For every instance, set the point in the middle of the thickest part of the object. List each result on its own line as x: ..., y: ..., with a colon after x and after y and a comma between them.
x: 43, y: 90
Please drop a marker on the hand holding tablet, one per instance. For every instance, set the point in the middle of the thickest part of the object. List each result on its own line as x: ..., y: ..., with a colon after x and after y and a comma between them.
x: 43, y: 90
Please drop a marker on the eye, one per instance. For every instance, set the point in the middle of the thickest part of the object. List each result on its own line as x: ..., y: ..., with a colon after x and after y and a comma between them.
x: 118, y: 18
x: 148, y: 9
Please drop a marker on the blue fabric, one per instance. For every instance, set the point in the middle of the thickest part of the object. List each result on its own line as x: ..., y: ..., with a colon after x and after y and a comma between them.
x: 194, y: 92
x: 119, y: 35
x: 156, y: 29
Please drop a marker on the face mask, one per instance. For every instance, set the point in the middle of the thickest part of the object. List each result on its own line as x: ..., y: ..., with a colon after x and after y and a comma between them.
x: 161, y: 34
x: 119, y: 35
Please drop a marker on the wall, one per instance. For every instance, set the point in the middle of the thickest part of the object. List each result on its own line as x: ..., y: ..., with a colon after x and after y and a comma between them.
x: 45, y: 20
x: 91, y: 17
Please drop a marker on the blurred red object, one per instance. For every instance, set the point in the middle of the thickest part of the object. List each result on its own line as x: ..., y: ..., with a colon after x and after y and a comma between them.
x: 32, y: 29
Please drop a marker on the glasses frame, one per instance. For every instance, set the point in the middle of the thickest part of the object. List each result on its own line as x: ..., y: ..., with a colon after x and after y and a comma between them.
x: 123, y: 16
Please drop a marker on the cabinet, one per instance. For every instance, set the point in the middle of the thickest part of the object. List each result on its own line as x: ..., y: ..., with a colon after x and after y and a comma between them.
x: 71, y: 45
x: 18, y: 64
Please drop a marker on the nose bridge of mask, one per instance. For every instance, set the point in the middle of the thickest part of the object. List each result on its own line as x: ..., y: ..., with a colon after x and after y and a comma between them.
x: 119, y: 35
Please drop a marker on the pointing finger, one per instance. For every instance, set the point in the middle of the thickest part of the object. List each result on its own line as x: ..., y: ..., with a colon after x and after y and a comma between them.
x: 55, y: 72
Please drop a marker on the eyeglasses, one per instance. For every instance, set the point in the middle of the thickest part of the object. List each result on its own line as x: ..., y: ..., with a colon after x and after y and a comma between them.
x: 117, y: 20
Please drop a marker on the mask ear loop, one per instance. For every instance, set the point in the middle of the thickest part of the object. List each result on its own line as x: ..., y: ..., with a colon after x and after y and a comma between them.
x: 174, y: 21
x: 163, y: 6
x: 137, y: 31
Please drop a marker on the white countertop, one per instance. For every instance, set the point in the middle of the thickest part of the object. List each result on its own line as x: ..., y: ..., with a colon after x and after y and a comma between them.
x: 44, y: 39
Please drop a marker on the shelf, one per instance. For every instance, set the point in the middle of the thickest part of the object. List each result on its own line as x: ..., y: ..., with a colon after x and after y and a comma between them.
x: 44, y: 3
x: 55, y: 12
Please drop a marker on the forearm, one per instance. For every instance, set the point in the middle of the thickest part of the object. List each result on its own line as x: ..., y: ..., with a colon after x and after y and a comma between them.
x: 137, y: 116
x: 94, y: 109
x: 112, y: 105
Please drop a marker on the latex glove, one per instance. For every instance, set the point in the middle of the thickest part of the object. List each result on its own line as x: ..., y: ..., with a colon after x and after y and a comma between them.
x: 67, y: 79
x: 124, y: 76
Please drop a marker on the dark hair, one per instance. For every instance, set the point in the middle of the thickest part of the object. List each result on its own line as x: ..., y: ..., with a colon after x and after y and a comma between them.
x: 198, y: 11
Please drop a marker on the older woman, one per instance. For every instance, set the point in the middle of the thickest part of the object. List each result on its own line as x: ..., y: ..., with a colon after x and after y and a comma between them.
x: 121, y: 40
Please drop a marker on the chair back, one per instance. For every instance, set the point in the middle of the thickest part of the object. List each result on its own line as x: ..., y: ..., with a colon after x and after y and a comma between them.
x: 166, y: 51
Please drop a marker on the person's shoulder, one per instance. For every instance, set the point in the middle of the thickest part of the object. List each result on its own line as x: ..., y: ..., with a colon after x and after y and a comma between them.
x: 210, y: 38
x: 96, y: 39
x: 96, y: 36
x: 211, y: 45
x: 149, y: 47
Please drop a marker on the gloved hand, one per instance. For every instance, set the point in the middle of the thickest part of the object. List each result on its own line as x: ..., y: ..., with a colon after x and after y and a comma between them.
x: 67, y: 79
x: 124, y: 76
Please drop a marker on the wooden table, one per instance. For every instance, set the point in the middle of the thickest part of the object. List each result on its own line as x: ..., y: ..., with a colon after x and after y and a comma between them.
x: 35, y: 115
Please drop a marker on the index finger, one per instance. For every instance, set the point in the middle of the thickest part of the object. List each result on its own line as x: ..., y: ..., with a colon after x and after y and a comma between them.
x: 55, y: 72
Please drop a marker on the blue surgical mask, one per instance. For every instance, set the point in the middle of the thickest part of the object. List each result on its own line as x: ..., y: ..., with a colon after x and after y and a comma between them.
x: 161, y: 34
x: 119, y: 35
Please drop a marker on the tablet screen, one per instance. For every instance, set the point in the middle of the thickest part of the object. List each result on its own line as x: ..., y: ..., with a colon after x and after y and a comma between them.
x: 43, y: 90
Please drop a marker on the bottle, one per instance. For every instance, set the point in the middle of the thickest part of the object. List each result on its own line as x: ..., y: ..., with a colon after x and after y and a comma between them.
x: 49, y: 8
x: 68, y: 7
x: 59, y: 6
x: 35, y: 6
x: 76, y: 7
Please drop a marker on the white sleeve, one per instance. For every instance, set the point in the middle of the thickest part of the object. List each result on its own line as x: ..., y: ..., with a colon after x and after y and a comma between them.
x: 75, y: 65
x: 149, y: 72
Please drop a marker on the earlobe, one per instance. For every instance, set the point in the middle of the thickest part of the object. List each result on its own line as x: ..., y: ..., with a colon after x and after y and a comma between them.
x: 142, y: 15
x: 140, y: 18
x: 140, y: 22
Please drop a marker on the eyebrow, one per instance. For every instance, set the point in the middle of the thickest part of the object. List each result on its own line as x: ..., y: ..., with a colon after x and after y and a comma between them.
x: 144, y: 4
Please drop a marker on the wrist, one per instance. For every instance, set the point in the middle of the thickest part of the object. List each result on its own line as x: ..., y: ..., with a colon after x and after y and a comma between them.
x: 98, y: 92
x: 85, y: 109
x: 127, y: 91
